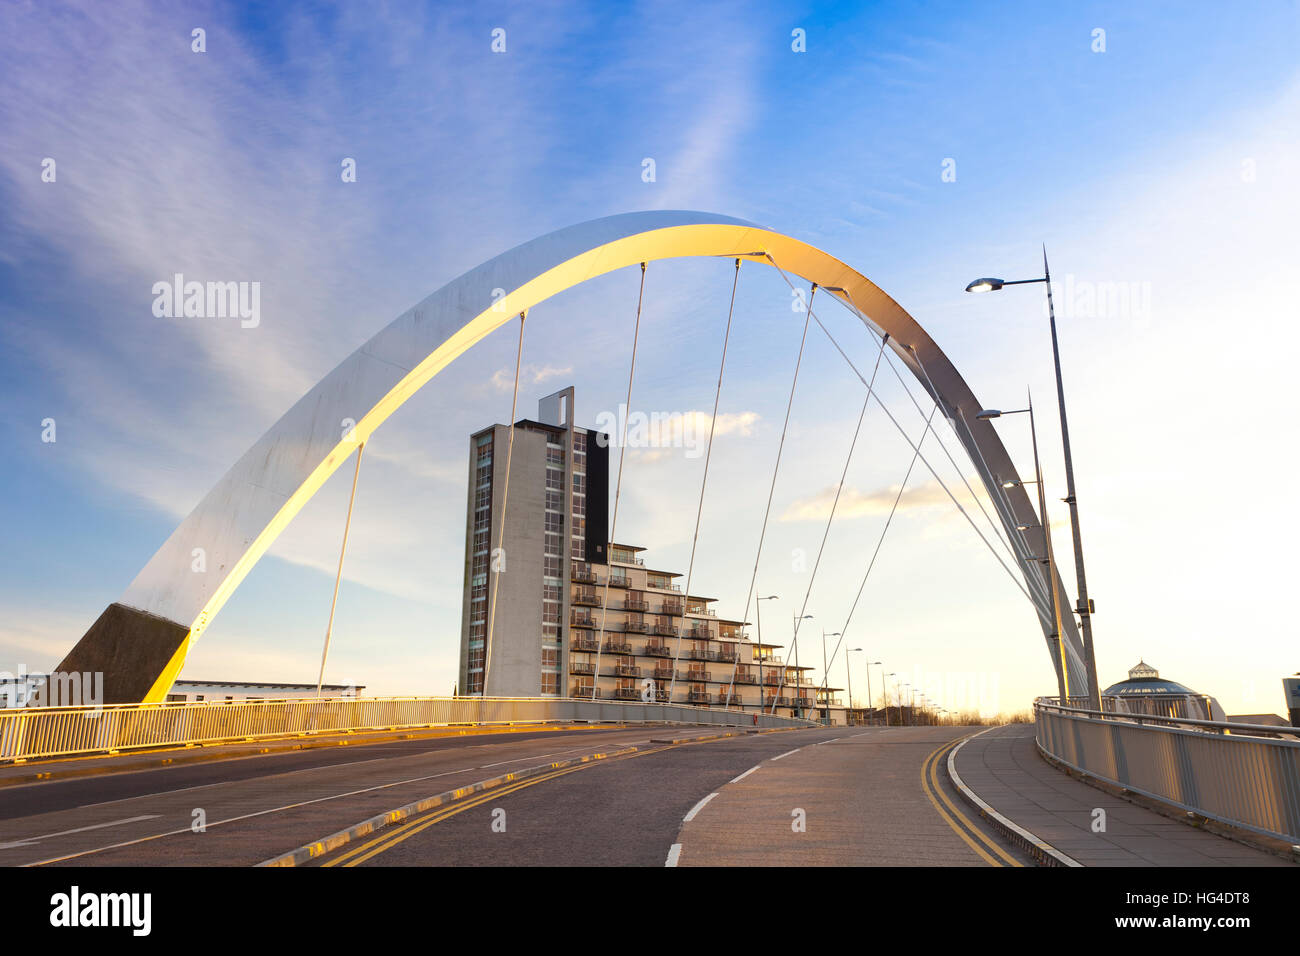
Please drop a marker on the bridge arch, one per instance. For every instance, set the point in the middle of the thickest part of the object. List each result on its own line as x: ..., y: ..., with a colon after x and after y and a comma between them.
x: 140, y: 642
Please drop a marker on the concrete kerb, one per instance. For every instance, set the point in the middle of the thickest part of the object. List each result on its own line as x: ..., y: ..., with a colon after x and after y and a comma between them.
x: 1040, y: 850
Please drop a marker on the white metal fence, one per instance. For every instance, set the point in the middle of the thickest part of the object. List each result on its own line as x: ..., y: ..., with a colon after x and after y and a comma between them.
x: 31, y: 732
x: 1226, y: 772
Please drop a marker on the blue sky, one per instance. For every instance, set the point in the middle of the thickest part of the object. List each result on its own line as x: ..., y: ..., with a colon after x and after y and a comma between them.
x: 1167, y: 163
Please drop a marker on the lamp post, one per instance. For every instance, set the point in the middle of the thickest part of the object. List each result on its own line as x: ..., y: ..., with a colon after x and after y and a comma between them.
x: 1084, y: 607
x: 758, y: 617
x: 826, y: 676
x: 869, y: 704
x: 886, y: 683
x: 848, y: 672
x: 885, y: 700
x: 1062, y: 673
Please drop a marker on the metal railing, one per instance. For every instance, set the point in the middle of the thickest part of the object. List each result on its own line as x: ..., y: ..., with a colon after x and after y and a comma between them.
x: 32, y: 732
x: 1223, y: 771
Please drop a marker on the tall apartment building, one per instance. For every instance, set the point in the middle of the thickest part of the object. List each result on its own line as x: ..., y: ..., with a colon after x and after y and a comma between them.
x: 556, y: 570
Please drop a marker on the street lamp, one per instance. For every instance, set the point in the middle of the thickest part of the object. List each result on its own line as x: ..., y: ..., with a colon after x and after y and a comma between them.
x: 885, y: 683
x: 848, y: 671
x: 1062, y: 674
x: 758, y: 617
x: 826, y: 676
x: 1084, y: 608
x: 870, y: 706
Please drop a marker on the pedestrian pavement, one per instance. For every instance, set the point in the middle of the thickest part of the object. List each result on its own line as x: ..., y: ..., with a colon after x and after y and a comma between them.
x: 1003, y: 767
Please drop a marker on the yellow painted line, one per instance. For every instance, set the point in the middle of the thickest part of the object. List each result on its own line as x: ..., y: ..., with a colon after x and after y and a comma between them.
x: 978, y: 833
x: 925, y: 785
x: 409, y: 829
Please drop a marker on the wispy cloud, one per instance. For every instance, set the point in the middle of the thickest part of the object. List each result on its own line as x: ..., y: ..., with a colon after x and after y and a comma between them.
x: 859, y: 504
x: 504, y: 378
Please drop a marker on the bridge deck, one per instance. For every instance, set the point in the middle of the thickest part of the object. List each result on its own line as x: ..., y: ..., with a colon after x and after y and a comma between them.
x: 1004, y: 768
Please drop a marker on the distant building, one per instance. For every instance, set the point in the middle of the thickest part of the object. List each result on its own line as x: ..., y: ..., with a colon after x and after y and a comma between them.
x: 207, y: 690
x: 18, y: 690
x: 1146, y: 692
x: 557, y: 568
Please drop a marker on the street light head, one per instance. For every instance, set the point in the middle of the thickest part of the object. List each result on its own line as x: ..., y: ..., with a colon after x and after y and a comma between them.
x: 1011, y: 483
x: 989, y: 413
x: 985, y: 285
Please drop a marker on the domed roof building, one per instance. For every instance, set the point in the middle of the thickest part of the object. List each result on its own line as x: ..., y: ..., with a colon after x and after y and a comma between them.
x: 1146, y: 692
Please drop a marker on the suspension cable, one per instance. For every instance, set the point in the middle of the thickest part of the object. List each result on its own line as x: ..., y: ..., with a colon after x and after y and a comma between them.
x: 1011, y: 574
x: 831, y: 517
x: 997, y: 530
x: 771, y: 490
x: 879, y: 541
x: 505, y: 503
x: 618, y: 485
x: 708, y: 454
x: 347, y: 525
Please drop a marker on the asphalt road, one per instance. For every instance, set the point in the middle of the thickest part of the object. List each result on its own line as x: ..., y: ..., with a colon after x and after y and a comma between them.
x: 722, y: 801
x: 256, y: 807
x: 630, y: 811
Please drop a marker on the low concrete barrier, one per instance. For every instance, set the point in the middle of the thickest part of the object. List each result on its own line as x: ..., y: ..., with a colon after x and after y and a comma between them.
x: 32, y: 732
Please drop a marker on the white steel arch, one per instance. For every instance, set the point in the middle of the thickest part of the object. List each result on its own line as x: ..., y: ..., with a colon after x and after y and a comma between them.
x: 255, y: 500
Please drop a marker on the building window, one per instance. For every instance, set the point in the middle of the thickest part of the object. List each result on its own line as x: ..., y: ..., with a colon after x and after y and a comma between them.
x: 551, y: 684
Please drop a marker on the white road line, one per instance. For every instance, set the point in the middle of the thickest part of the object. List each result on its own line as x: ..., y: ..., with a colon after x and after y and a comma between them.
x: 745, y: 774
x: 697, y: 808
x: 674, y: 852
x: 788, y: 753
x: 28, y: 841
x: 246, y: 816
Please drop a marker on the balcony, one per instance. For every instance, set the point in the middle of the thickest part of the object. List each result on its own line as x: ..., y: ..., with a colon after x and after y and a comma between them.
x: 746, y: 679
x: 658, y: 649
x: 734, y: 698
x: 627, y: 693
x: 700, y: 697
x: 586, y: 596
x: 636, y: 627
x: 778, y: 701
x: 701, y: 633
x: 699, y: 654
x: 635, y: 604
x: 664, y: 586
x: 625, y: 557
x: 617, y: 647
x: 772, y: 680
x: 582, y: 667
x: 671, y: 607
x: 802, y: 701
x: 583, y: 574
x: 620, y: 581
x: 583, y: 644
x: 627, y: 670
x: 697, y: 674
x: 666, y: 673
x: 665, y: 630
x: 725, y: 655
x: 582, y: 620
x: 581, y: 690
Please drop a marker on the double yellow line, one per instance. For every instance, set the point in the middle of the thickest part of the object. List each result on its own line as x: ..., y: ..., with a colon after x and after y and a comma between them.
x: 965, y: 829
x: 391, y: 838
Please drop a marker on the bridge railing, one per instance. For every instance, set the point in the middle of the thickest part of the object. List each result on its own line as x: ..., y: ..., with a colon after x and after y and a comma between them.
x: 32, y: 732
x: 1240, y: 774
